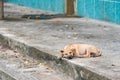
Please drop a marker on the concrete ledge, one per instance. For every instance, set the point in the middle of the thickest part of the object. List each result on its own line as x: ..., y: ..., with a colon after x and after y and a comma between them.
x: 5, y: 76
x: 7, y: 73
x: 77, y: 72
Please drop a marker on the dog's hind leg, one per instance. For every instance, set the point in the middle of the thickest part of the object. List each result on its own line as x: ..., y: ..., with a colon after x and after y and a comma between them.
x: 86, y: 55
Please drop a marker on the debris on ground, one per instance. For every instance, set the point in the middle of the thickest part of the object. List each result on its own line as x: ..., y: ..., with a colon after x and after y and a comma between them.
x: 27, y: 65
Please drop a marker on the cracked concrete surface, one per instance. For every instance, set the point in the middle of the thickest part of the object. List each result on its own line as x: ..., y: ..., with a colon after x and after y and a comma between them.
x: 26, y: 66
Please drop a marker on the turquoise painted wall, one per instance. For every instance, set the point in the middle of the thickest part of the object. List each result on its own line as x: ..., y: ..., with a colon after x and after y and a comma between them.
x: 107, y: 10
x: 49, y: 5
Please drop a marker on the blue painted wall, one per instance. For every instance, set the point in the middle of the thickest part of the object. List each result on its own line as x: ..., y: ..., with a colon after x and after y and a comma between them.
x: 50, y: 5
x: 108, y: 10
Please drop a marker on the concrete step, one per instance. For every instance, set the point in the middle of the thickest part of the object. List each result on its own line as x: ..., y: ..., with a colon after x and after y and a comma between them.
x: 68, y: 68
x: 16, y: 66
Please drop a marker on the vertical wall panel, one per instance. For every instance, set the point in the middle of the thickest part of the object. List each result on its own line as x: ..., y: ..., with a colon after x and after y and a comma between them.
x: 109, y: 11
x: 106, y: 10
x: 86, y: 8
x: 117, y: 12
x: 89, y: 8
x: 99, y: 9
x: 80, y: 7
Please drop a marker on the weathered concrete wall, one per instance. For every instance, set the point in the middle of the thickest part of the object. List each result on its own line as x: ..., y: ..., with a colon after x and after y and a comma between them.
x: 1, y: 9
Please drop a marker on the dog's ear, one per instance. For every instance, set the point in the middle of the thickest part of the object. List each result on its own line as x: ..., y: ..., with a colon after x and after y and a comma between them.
x: 61, y: 55
x: 61, y: 51
x: 73, y: 50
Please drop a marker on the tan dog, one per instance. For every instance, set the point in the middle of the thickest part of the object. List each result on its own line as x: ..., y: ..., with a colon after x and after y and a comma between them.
x: 79, y: 50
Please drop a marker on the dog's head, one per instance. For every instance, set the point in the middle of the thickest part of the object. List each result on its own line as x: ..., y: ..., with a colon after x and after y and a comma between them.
x: 69, y: 54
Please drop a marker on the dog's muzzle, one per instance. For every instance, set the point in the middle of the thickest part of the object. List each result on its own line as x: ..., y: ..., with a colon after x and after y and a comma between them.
x: 69, y: 57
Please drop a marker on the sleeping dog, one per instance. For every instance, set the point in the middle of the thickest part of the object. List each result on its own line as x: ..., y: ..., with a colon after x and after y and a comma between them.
x: 80, y: 51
